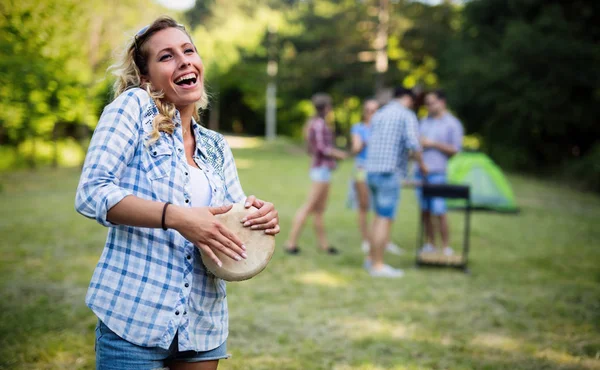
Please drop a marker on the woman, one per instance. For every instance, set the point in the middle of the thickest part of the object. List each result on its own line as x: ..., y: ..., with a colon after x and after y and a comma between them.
x: 360, y: 137
x: 156, y: 178
x: 320, y: 138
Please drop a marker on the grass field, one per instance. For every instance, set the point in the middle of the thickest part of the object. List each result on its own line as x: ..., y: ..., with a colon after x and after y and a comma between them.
x: 532, y: 300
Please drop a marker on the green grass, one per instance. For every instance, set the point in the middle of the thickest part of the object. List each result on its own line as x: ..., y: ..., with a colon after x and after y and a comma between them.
x: 531, y: 302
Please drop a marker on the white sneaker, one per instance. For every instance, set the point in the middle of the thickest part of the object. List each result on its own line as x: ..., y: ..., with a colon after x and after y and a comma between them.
x: 365, y: 246
x: 394, y: 249
x: 387, y: 272
x: 448, y: 251
x: 428, y: 248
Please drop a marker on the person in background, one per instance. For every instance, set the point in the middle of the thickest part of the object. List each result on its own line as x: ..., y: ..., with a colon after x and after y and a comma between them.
x: 441, y: 137
x: 320, y: 137
x: 394, y: 140
x: 360, y: 133
x: 156, y: 179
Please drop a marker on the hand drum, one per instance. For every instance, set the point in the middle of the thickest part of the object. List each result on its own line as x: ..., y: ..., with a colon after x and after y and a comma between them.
x: 259, y: 248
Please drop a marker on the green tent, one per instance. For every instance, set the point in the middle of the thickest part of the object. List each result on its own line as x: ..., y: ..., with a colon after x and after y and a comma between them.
x: 490, y: 189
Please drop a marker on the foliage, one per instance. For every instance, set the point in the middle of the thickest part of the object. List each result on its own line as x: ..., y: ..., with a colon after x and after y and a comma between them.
x: 524, y: 75
x: 584, y: 171
x: 53, y: 60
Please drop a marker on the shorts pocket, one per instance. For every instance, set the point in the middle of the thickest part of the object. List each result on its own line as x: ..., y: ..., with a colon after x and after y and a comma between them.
x: 99, y: 333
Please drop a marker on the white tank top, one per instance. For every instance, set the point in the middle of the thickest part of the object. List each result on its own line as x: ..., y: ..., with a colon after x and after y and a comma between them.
x: 200, y: 187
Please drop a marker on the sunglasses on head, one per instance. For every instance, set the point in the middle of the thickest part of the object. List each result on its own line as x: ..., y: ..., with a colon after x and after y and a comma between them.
x: 143, y: 30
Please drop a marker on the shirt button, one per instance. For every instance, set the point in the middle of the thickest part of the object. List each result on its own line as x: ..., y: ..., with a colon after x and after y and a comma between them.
x: 189, y: 257
x: 155, y: 153
x: 187, y: 285
x: 187, y: 200
x: 186, y: 173
x: 177, y: 313
x: 185, y: 312
x: 214, y: 190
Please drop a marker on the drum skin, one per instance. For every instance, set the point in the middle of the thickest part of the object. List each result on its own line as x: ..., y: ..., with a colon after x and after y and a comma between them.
x: 259, y: 248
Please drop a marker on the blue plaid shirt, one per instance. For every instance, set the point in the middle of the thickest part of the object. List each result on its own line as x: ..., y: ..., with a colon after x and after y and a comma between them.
x: 394, y: 134
x: 150, y: 284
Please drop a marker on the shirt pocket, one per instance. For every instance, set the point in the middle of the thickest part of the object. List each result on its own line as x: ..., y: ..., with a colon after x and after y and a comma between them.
x: 158, y: 159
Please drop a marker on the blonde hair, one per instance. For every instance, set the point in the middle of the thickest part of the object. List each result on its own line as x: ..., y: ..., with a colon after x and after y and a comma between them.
x: 132, y: 65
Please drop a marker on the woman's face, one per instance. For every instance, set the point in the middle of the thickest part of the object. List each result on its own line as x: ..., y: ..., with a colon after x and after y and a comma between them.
x: 369, y: 110
x: 174, y: 67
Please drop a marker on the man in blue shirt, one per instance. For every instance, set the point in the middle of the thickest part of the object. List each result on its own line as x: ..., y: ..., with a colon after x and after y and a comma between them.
x: 441, y: 138
x: 394, y: 138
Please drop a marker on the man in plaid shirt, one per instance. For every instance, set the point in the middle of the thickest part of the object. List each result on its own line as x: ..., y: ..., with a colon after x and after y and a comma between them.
x: 394, y: 139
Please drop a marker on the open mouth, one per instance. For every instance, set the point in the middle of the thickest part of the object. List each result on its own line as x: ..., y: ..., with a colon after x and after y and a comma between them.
x: 187, y: 79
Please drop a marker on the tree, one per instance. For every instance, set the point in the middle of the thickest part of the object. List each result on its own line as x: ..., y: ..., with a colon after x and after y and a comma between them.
x: 53, y: 60
x: 524, y: 74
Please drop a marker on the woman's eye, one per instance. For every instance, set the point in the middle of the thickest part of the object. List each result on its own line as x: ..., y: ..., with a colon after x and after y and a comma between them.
x: 164, y: 57
x: 188, y: 51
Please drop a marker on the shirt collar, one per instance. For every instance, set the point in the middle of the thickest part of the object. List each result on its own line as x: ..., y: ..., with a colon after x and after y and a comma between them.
x: 198, y: 130
x: 199, y: 134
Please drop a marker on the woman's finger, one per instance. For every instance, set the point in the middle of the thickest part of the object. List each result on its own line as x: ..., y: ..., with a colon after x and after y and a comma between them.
x: 273, y: 231
x: 267, y: 225
x: 231, y: 236
x: 261, y: 220
x: 215, y: 244
x: 205, y: 249
x: 230, y: 245
x: 220, y: 210
x: 261, y: 212
x: 258, y: 203
x: 250, y: 201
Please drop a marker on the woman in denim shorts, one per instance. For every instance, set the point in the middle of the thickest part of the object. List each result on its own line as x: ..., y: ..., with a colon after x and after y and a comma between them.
x: 156, y: 178
x: 320, y: 137
x: 360, y: 137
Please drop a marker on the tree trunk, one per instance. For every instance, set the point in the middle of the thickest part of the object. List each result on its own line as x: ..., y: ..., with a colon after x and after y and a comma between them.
x: 381, y: 41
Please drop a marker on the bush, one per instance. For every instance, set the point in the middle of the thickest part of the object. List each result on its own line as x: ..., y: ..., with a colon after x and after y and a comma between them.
x: 586, y: 170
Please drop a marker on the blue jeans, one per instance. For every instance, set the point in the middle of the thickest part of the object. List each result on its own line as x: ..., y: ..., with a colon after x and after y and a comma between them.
x: 385, y: 191
x: 320, y: 174
x: 115, y: 353
x: 435, y: 205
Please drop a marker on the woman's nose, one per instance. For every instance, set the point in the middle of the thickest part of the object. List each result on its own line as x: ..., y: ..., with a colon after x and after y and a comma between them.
x: 184, y: 63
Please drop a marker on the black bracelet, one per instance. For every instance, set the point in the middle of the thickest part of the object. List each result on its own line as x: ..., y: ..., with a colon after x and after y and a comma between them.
x: 163, y: 215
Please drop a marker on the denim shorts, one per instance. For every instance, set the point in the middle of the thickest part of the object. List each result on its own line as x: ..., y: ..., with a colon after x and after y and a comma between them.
x: 385, y: 191
x: 115, y: 353
x: 435, y: 205
x: 320, y: 174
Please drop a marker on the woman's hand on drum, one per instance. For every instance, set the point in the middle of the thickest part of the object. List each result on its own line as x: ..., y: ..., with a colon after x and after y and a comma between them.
x: 264, y: 218
x: 199, y: 226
